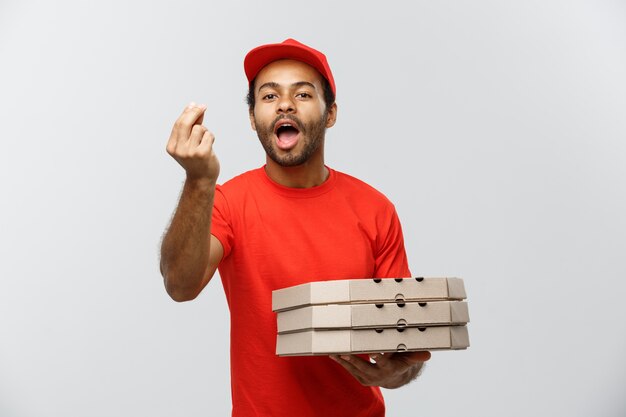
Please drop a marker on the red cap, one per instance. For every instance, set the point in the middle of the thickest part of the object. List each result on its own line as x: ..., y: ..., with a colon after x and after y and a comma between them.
x: 262, y: 55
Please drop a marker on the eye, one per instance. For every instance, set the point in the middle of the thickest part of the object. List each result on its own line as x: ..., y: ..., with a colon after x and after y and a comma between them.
x: 269, y: 96
x: 304, y: 95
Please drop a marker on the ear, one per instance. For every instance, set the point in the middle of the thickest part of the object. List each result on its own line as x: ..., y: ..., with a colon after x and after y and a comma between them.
x: 332, y: 116
x: 252, y: 120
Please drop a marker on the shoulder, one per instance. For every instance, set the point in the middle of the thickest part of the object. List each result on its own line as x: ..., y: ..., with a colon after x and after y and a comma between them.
x: 242, y: 180
x: 233, y: 193
x: 240, y: 183
x: 360, y: 190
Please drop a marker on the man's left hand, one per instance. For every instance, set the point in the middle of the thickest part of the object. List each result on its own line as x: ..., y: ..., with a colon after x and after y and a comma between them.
x: 391, y: 370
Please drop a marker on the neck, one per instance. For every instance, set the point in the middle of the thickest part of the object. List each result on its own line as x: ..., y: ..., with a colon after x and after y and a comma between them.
x: 310, y: 174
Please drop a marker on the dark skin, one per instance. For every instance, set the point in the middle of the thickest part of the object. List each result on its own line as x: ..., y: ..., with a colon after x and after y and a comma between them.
x: 190, y: 255
x: 279, y: 90
x: 390, y: 370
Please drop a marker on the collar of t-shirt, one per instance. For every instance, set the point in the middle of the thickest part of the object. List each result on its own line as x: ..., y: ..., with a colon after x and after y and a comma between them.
x: 323, y: 188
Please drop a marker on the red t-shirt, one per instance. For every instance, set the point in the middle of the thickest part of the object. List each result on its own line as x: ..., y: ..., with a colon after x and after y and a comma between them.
x: 275, y: 237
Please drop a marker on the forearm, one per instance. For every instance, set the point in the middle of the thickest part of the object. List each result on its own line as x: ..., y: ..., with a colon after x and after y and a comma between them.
x: 186, y: 244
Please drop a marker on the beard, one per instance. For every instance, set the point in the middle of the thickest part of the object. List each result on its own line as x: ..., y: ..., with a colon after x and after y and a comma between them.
x: 312, y: 137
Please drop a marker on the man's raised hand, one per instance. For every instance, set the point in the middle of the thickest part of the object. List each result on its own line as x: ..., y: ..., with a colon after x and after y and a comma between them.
x: 191, y: 145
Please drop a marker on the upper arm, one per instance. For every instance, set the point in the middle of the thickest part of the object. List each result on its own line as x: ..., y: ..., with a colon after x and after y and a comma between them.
x: 216, y: 253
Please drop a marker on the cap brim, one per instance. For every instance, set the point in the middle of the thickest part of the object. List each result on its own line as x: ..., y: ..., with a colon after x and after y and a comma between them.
x: 263, y: 55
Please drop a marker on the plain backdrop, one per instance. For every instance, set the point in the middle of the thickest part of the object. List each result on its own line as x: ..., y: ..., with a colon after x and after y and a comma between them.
x: 498, y: 129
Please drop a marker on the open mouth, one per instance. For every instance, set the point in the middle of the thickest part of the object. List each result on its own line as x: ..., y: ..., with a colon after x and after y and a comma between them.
x: 287, y: 134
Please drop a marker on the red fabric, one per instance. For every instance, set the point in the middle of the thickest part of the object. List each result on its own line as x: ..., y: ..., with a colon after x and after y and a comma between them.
x: 276, y: 237
x: 262, y: 55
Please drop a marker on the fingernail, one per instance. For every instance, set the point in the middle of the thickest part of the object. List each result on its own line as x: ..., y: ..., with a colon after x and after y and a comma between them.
x: 192, y: 104
x: 345, y: 358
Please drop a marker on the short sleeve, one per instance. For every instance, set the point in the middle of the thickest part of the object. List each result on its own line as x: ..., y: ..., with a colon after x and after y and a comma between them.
x: 221, y: 225
x: 390, y: 259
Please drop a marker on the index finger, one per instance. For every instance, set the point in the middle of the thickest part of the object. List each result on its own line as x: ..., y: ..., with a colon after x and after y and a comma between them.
x: 419, y: 356
x: 409, y: 358
x: 192, y: 115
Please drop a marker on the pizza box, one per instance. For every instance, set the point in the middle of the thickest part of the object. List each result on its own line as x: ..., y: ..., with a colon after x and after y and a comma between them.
x: 331, y: 342
x: 382, y: 315
x: 368, y: 290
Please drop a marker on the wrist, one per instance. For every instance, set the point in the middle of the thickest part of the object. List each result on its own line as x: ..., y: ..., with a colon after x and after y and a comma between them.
x: 203, y: 183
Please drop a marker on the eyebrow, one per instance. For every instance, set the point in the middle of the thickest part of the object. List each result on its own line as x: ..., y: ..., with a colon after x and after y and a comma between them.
x: 275, y: 85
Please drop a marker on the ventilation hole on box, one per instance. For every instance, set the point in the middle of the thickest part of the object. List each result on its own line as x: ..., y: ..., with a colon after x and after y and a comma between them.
x: 421, y: 329
x: 379, y: 305
x: 400, y: 329
x: 422, y: 304
x: 377, y: 279
x: 398, y: 279
x: 402, y: 347
x: 400, y: 301
x: 401, y: 323
x: 419, y: 279
x: 379, y: 330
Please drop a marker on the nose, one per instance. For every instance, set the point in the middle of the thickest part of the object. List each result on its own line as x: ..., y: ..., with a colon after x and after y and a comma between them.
x: 285, y: 105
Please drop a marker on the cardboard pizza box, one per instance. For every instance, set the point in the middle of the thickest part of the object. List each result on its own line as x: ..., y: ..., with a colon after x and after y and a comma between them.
x: 381, y: 315
x: 368, y: 291
x: 330, y: 342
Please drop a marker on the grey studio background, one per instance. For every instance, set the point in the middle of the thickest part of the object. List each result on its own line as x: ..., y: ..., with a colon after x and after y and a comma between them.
x: 497, y: 128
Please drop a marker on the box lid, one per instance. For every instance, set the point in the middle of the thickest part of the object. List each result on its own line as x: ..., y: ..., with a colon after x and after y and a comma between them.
x: 368, y: 291
x: 381, y: 315
x: 330, y: 342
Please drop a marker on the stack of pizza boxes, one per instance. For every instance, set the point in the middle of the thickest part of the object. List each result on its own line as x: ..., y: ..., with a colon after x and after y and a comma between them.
x: 371, y: 315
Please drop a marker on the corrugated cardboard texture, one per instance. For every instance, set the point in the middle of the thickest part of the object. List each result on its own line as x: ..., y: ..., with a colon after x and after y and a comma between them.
x: 324, y: 292
x: 368, y: 290
x: 327, y: 342
x: 383, y: 315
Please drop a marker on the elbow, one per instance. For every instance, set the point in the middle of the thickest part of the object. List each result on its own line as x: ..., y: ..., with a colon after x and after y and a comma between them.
x: 181, y: 295
x: 178, y: 292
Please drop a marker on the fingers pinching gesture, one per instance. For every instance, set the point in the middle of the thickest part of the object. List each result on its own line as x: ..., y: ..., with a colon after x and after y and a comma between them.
x: 191, y: 145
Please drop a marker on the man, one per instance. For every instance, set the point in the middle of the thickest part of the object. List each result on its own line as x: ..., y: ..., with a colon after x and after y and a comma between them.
x: 293, y: 221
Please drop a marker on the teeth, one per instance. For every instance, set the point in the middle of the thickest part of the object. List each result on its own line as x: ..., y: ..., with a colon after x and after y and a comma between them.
x: 284, y: 125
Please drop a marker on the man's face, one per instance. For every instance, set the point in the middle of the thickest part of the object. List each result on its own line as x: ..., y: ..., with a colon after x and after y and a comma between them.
x: 290, y: 116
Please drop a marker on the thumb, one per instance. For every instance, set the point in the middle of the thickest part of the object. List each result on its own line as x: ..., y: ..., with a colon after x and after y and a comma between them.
x: 415, y: 357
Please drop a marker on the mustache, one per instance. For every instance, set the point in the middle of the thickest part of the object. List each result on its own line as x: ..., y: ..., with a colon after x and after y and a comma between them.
x: 292, y: 118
